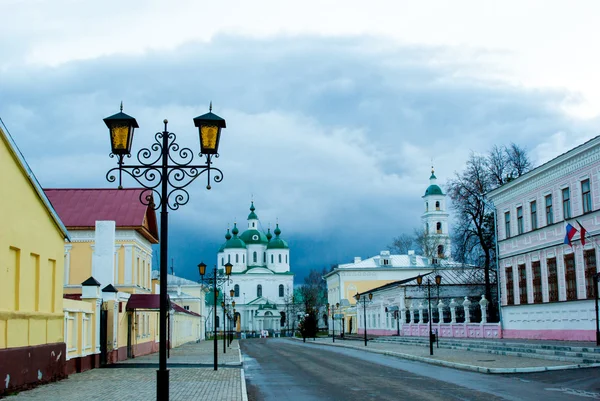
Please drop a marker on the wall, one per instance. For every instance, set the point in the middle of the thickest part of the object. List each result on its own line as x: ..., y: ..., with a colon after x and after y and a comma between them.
x: 185, y: 328
x: 81, y: 335
x: 31, y: 256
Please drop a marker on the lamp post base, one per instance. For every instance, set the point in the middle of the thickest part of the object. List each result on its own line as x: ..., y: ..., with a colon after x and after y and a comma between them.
x: 162, y: 385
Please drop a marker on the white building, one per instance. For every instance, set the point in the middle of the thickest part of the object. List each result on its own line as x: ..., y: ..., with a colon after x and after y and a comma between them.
x: 435, y: 220
x: 261, y: 277
x: 547, y: 285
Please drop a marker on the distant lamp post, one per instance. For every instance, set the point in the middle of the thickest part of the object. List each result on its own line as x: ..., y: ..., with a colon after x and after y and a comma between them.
x: 364, y: 302
x: 596, y: 278
x: 438, y: 281
x: 333, y: 308
x: 164, y: 170
x: 217, y: 278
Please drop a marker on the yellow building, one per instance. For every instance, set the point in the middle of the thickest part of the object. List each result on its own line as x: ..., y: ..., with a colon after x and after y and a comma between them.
x: 32, y: 240
x: 111, y: 243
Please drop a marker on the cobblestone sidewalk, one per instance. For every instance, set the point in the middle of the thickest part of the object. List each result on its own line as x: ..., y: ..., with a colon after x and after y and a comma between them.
x: 200, y: 353
x: 186, y: 384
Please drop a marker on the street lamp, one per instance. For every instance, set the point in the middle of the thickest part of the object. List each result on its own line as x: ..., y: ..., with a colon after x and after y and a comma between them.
x: 333, y: 307
x: 596, y: 278
x: 217, y: 278
x: 364, y: 302
x: 438, y: 281
x: 165, y: 175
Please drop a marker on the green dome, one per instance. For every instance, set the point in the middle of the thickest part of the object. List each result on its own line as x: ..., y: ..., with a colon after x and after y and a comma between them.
x: 252, y: 215
x: 234, y: 242
x: 277, y: 243
x: 269, y: 235
x: 434, y: 190
x: 254, y: 237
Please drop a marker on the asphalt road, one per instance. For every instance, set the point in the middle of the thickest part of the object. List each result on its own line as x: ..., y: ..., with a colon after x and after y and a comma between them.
x: 282, y: 369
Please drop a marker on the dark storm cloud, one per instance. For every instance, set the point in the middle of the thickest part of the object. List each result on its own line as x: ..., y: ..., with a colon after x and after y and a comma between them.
x: 333, y: 136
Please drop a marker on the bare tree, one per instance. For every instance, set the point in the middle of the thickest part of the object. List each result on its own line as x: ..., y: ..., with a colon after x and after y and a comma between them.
x: 314, y: 289
x: 474, y: 237
x: 427, y: 243
x: 402, y: 244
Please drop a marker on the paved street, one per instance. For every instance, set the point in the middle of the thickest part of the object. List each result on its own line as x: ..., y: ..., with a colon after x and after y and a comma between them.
x: 278, y: 368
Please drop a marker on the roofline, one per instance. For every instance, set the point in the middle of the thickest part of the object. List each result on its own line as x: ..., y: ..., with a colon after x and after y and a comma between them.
x: 545, y: 166
x: 5, y: 134
x: 399, y: 282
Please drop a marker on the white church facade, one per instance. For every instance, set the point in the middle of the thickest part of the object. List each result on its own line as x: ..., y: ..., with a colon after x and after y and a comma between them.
x: 261, y: 278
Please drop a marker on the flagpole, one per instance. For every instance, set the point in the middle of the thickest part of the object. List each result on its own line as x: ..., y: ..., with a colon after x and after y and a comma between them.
x: 596, y: 277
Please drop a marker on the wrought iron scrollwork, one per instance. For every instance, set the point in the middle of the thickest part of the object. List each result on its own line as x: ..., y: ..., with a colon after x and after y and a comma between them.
x: 173, y: 164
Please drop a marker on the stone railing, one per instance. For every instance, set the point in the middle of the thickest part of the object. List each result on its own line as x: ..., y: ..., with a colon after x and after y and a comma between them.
x: 418, y: 323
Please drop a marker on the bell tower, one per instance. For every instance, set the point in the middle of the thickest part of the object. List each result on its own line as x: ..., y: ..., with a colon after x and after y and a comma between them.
x: 435, y: 221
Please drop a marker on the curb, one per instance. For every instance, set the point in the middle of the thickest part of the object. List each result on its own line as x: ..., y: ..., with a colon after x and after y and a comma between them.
x: 463, y: 366
x: 244, y: 390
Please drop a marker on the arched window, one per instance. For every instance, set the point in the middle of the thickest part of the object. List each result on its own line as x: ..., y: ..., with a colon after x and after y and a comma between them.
x: 217, y: 320
x: 271, y: 258
x: 253, y: 225
x: 281, y: 290
x: 286, y: 259
x: 243, y: 258
x: 440, y: 251
x: 426, y: 206
x: 254, y: 256
x: 236, y: 289
x: 237, y: 258
x: 438, y: 227
x: 222, y: 261
x: 228, y: 258
x: 279, y: 258
x: 437, y: 205
x: 259, y: 290
x: 264, y: 257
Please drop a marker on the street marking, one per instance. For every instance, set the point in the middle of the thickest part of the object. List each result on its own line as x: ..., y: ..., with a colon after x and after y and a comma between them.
x: 571, y: 391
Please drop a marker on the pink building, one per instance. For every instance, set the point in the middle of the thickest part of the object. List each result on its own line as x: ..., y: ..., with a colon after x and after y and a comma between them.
x: 546, y: 285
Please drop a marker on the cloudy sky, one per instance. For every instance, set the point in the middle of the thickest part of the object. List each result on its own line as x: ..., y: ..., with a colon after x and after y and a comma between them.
x: 334, y: 109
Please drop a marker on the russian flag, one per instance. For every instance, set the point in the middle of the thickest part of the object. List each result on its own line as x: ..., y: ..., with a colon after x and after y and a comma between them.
x: 571, y: 231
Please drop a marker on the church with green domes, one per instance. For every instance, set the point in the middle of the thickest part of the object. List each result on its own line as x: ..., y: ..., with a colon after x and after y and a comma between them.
x: 261, y: 276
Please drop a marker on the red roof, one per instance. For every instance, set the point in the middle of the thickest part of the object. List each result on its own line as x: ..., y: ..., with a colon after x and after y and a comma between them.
x: 81, y: 208
x: 152, y: 302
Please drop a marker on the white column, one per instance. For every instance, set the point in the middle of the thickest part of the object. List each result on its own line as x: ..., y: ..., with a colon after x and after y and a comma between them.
x: 68, y: 248
x: 103, y: 259
x: 128, y: 266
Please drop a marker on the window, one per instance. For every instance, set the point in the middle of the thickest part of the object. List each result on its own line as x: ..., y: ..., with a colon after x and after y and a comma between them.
x: 507, y: 225
x: 438, y: 227
x: 533, y: 208
x: 386, y: 262
x: 440, y: 250
x: 222, y: 261
x: 586, y: 196
x: 437, y: 205
x: 566, y: 194
x: 264, y: 257
x: 243, y: 258
x: 519, y: 220
x: 286, y: 258
x: 228, y: 258
x: 522, y: 284
x: 236, y: 290
x: 254, y: 257
x: 549, y: 215
x: 237, y: 258
x: 570, y: 277
x: 217, y: 319
x: 259, y: 290
x: 186, y: 307
x: 279, y: 258
x: 426, y: 206
x: 552, y: 280
x: 589, y: 258
x: 510, y: 298
x: 271, y: 258
x: 537, y: 282
x: 281, y: 290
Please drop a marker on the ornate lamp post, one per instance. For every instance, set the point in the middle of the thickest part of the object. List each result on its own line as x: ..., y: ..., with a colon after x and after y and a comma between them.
x: 596, y: 278
x: 438, y: 281
x: 164, y: 177
x: 364, y: 302
x: 333, y: 308
x: 216, y: 279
